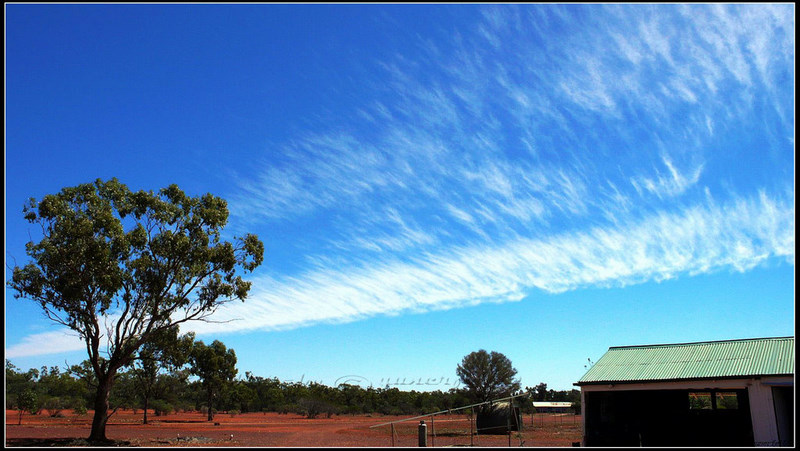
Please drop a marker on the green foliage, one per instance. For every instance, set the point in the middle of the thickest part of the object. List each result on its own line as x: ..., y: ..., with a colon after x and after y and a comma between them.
x: 59, y: 390
x: 487, y: 376
x: 216, y: 367
x: 85, y: 376
x: 214, y: 364
x: 140, y: 261
x: 54, y: 406
x: 16, y: 383
x: 165, y: 351
x: 239, y: 396
x: 727, y: 401
x: 88, y: 264
x: 161, y: 407
x: 174, y: 391
x: 28, y: 401
x: 540, y: 392
x: 314, y: 406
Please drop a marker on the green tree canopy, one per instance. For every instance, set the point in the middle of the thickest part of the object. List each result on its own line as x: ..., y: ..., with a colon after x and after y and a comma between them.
x: 166, y: 350
x: 487, y: 376
x: 118, y: 266
x: 216, y: 367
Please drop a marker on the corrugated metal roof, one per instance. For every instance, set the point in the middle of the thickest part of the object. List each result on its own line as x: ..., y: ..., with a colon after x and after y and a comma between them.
x: 712, y: 359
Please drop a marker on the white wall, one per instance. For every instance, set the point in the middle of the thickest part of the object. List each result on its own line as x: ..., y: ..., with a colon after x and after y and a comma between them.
x: 762, y: 410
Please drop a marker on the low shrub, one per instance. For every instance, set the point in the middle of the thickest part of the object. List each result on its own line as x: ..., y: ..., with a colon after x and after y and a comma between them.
x: 161, y: 407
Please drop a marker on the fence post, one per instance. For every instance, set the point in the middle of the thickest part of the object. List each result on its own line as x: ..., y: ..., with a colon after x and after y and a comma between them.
x: 422, y: 432
x: 508, y: 420
x: 471, y: 414
x: 392, y: 435
x: 433, y: 433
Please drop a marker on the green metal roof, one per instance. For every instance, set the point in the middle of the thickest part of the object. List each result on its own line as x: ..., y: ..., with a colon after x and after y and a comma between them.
x: 712, y: 359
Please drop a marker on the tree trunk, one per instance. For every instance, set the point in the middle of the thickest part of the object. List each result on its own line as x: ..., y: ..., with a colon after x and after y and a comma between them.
x: 146, y: 398
x: 98, y: 433
x: 210, y: 398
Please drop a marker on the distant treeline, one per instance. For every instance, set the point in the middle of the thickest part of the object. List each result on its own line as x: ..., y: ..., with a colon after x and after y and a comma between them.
x: 53, y: 390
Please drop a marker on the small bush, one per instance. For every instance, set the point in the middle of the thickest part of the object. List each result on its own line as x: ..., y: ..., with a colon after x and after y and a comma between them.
x: 180, y: 405
x: 54, y: 406
x: 28, y: 401
x: 79, y: 410
x: 161, y: 407
x: 234, y: 412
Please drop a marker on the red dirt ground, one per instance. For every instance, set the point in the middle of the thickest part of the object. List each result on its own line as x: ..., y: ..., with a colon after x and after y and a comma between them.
x: 277, y: 430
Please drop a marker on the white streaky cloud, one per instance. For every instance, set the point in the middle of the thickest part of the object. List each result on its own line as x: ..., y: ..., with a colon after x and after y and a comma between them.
x: 705, y: 238
x: 591, y: 135
x: 54, y: 342
x: 386, y: 231
x: 696, y: 48
x: 344, y: 168
x: 63, y: 340
x: 671, y: 185
x: 460, y: 214
x: 447, y: 117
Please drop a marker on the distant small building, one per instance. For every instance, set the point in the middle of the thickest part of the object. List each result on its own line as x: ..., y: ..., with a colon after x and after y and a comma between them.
x: 716, y: 393
x: 552, y: 407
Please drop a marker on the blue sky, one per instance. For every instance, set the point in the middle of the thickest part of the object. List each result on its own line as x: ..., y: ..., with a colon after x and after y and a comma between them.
x: 541, y: 180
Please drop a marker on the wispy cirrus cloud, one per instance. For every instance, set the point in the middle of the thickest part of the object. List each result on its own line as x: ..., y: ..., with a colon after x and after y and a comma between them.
x: 545, y: 121
x: 703, y: 238
x: 537, y: 148
x: 671, y: 184
x: 53, y: 342
x: 464, y: 109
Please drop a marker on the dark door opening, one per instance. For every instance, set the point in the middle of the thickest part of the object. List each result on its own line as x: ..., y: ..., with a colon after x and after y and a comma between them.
x: 668, y: 418
x: 783, y: 399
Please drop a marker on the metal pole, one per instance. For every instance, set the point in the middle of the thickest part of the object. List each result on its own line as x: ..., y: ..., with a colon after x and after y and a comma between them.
x: 508, y: 422
x: 422, y: 434
x: 433, y: 433
x: 471, y: 414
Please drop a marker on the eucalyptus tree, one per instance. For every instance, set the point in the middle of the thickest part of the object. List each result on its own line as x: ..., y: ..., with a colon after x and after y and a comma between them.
x: 487, y: 376
x: 118, y: 266
x: 215, y: 365
x: 166, y: 350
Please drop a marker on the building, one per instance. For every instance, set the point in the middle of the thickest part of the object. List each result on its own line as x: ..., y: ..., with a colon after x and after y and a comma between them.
x: 552, y: 407
x: 716, y: 393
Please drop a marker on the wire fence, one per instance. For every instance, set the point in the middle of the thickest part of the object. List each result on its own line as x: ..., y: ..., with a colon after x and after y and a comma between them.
x: 451, y: 430
x: 460, y: 427
x: 545, y: 419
